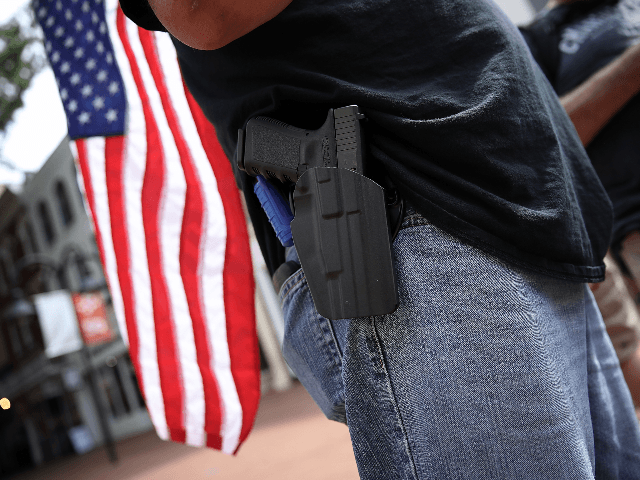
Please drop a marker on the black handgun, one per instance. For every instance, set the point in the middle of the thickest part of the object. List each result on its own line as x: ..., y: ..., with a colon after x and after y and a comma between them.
x: 340, y: 228
x: 279, y: 151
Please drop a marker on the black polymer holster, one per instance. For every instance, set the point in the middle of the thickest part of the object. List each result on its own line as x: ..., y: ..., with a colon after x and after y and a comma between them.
x: 342, y: 227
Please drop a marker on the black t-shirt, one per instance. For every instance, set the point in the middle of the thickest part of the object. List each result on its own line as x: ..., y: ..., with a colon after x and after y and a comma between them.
x: 458, y: 114
x: 571, y: 43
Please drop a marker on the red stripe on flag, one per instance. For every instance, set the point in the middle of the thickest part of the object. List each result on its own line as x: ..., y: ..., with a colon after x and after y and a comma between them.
x: 83, y: 163
x: 190, y: 242
x: 85, y: 170
x: 114, y: 159
x: 237, y: 277
x: 152, y: 189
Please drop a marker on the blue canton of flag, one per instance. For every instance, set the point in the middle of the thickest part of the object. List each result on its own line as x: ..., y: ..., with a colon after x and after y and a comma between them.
x: 81, y: 55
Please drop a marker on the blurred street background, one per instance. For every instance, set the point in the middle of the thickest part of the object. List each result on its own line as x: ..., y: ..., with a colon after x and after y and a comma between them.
x: 70, y: 403
x: 291, y: 440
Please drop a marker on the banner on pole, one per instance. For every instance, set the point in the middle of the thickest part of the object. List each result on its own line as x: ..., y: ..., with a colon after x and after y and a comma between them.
x: 58, y: 323
x: 92, y: 318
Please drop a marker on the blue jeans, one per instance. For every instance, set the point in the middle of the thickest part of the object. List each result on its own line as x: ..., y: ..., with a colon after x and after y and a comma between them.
x: 484, y: 371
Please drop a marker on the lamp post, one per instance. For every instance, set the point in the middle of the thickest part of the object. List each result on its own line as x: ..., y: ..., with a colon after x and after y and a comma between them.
x: 90, y: 284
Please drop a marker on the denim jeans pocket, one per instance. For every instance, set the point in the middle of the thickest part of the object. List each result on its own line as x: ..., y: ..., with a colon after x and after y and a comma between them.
x: 311, y: 347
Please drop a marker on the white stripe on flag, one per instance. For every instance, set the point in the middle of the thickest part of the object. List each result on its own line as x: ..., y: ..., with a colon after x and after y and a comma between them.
x: 213, y: 251
x: 134, y: 168
x: 170, y: 223
x: 104, y: 228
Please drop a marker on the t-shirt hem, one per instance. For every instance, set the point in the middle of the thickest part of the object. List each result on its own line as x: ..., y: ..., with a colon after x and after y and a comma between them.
x: 492, y: 245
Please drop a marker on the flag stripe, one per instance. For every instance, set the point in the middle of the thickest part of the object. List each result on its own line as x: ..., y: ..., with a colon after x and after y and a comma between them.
x: 105, y: 247
x: 209, y: 320
x: 190, y: 233
x: 112, y: 167
x: 153, y: 183
x: 133, y: 176
x: 212, y: 270
x: 99, y: 150
x: 239, y: 287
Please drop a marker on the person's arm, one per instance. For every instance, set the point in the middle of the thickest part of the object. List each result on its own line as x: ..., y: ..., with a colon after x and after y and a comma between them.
x: 211, y: 24
x: 594, y: 103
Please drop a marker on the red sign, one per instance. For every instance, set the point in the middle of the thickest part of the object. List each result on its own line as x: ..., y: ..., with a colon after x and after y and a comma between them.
x: 92, y: 318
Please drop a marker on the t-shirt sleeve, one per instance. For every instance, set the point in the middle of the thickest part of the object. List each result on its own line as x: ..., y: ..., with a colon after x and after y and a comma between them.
x: 139, y: 11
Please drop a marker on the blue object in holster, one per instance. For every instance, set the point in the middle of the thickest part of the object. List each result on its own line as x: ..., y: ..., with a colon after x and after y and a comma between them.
x: 276, y: 208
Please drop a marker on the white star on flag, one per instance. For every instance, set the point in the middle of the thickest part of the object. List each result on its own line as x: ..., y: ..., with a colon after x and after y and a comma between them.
x: 98, y: 103
x: 69, y: 42
x: 90, y: 36
x: 75, y: 79
x: 79, y: 52
x: 90, y: 64
x: 64, y: 94
x: 68, y: 15
x: 111, y: 115
x: 101, y: 76
x: 72, y: 106
x: 59, y: 31
x: 99, y: 47
x: 55, y: 57
x: 65, y: 67
x: 114, y: 88
x: 78, y: 25
x: 84, y: 118
x: 87, y: 90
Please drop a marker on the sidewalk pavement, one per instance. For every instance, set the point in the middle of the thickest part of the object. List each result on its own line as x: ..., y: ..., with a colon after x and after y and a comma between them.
x: 291, y: 440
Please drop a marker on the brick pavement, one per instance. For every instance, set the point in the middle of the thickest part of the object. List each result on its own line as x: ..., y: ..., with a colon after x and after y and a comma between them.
x: 291, y: 440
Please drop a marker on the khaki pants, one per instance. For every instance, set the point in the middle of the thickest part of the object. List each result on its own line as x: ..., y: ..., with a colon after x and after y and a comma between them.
x: 616, y: 303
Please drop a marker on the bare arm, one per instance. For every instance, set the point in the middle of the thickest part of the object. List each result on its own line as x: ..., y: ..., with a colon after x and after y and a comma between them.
x: 595, y: 102
x: 211, y: 24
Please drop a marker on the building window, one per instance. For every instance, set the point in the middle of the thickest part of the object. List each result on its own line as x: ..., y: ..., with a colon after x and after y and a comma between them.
x: 14, y: 337
x: 64, y: 207
x: 27, y: 336
x: 45, y: 220
x: 32, y: 238
x: 5, y: 281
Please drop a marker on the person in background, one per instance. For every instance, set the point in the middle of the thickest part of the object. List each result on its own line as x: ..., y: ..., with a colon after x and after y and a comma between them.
x: 496, y: 363
x: 590, y: 52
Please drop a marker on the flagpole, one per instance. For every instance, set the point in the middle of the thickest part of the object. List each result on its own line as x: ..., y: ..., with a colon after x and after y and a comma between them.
x: 107, y: 435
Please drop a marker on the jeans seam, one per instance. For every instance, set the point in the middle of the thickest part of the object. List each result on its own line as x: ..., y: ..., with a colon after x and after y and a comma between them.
x: 383, y: 365
x: 290, y: 289
x: 286, y: 289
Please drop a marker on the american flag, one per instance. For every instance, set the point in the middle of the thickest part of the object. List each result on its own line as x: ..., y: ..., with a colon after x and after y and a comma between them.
x: 167, y: 218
